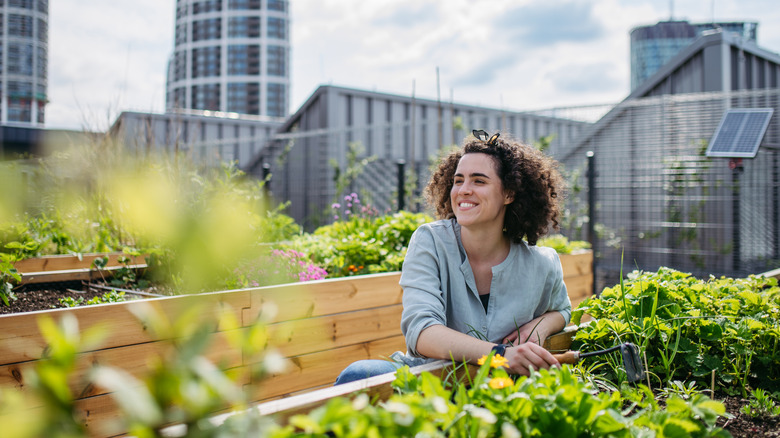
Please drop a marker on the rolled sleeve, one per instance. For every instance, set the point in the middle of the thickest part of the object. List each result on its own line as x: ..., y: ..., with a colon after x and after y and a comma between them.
x: 423, y: 299
x: 559, y: 294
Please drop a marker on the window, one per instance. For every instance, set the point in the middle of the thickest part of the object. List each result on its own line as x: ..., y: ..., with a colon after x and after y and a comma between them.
x: 41, y: 63
x: 43, y: 31
x: 20, y: 59
x: 20, y: 25
x: 276, y: 100
x: 277, y: 61
x: 43, y: 7
x: 244, y: 60
x: 244, y: 97
x: 19, y: 110
x: 41, y: 113
x: 277, y: 28
x: 244, y: 4
x: 210, y: 29
x: 206, y: 62
x: 23, y: 4
x: 179, y: 98
x: 244, y: 27
x: 179, y: 65
x: 20, y: 90
x: 277, y: 5
x: 204, y: 6
x: 205, y: 97
x: 181, y: 33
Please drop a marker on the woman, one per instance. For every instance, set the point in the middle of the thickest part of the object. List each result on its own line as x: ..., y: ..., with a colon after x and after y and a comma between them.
x: 475, y: 281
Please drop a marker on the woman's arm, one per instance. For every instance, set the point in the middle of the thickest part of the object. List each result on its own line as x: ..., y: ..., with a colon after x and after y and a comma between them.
x: 441, y: 342
x: 537, y: 329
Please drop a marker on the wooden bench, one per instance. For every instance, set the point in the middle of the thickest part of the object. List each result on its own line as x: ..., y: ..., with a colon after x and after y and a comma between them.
x: 321, y: 326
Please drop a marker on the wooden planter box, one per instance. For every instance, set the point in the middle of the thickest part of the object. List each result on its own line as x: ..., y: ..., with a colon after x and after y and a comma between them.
x: 321, y: 326
x: 74, y: 268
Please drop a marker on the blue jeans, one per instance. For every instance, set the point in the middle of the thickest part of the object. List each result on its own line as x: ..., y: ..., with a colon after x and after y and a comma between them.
x: 366, y: 368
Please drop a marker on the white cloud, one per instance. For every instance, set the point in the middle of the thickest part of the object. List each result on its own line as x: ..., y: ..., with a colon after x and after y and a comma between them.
x: 109, y: 56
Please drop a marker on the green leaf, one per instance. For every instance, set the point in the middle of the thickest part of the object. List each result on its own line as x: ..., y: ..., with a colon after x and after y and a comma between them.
x: 132, y: 396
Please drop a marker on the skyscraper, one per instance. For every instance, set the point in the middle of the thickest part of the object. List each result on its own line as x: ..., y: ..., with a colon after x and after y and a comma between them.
x: 231, y: 55
x: 652, y: 46
x: 24, y: 27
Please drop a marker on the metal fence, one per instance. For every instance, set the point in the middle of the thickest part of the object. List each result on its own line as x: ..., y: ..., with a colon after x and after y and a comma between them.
x: 659, y: 201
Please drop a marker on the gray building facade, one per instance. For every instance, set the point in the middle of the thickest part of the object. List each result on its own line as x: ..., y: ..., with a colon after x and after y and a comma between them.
x: 207, y: 138
x: 312, y: 148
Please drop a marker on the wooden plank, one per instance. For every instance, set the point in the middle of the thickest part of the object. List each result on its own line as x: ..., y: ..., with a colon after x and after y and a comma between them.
x: 68, y: 262
x: 311, y: 335
x: 579, y: 286
x: 775, y: 273
x: 580, y: 263
x: 323, y: 297
x: 81, y: 274
x: 134, y: 359
x: 21, y: 341
x: 562, y: 340
x: 318, y: 369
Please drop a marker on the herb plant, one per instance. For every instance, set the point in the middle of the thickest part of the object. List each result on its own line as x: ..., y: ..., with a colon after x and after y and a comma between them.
x: 690, y: 329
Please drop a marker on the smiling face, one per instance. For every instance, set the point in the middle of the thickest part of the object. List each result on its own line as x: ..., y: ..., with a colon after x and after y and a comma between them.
x: 478, y: 196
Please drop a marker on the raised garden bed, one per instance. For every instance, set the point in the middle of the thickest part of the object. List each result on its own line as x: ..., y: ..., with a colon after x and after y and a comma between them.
x: 84, y: 267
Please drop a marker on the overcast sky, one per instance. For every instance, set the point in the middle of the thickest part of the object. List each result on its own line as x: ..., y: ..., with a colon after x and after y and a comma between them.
x: 110, y: 56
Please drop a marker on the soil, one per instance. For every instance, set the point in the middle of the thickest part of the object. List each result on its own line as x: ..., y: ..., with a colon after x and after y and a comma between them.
x: 32, y: 298
x: 744, y: 426
x: 46, y: 297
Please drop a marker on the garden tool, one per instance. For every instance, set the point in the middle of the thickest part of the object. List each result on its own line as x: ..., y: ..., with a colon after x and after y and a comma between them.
x: 629, y: 351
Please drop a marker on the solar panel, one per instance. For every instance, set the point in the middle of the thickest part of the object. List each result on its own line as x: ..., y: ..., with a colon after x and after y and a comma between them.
x: 740, y: 132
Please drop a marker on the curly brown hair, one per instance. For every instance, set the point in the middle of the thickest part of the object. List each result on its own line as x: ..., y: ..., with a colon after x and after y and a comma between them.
x: 529, y: 174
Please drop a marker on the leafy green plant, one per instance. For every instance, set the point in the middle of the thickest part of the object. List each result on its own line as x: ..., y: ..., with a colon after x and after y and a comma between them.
x: 684, y: 390
x: 7, y: 273
x: 363, y: 243
x: 108, y: 297
x: 761, y: 404
x: 548, y: 403
x: 183, y: 386
x: 562, y: 245
x: 689, y: 328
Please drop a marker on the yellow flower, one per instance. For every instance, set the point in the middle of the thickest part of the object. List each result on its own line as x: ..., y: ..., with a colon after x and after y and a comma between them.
x: 500, y: 382
x: 498, y: 361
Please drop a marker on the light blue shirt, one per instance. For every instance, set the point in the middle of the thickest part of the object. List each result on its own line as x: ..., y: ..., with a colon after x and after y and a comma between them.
x: 439, y: 287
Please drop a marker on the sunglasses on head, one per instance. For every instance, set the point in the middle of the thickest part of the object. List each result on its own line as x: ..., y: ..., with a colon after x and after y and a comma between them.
x: 484, y: 136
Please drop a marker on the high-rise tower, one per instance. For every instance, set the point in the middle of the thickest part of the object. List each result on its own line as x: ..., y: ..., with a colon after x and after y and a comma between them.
x: 24, y: 31
x: 231, y: 55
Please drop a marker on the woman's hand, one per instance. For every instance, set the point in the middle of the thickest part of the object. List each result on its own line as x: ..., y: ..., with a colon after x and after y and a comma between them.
x: 527, y: 356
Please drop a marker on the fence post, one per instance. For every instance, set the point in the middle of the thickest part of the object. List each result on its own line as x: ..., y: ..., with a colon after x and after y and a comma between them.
x: 401, y: 183
x: 592, y: 210
x: 266, y: 177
